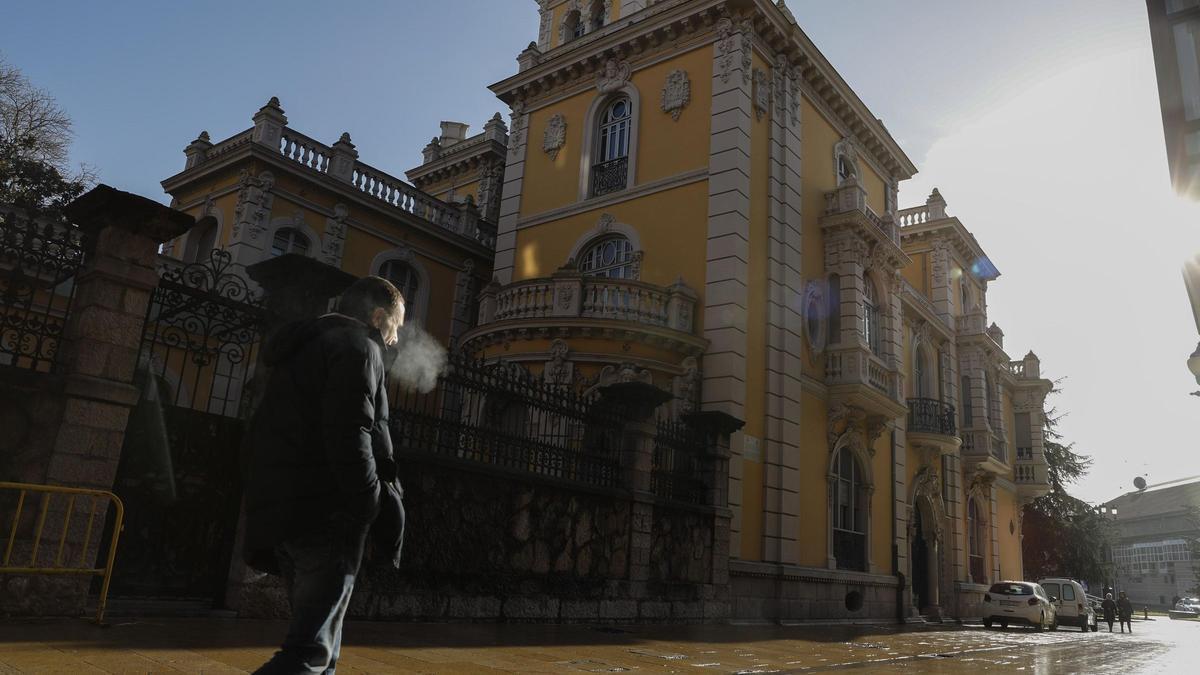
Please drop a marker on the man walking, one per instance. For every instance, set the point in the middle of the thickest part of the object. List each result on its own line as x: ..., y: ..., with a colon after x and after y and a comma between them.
x: 320, y: 457
x: 1125, y: 611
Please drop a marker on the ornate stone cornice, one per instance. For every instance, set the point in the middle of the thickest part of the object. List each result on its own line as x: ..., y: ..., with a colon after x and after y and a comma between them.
x: 950, y: 232
x: 668, y: 23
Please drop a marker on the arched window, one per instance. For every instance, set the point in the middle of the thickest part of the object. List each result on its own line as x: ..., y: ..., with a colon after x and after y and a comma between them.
x: 405, y: 279
x: 871, y: 315
x: 610, y: 172
x: 289, y: 240
x: 835, y: 309
x: 201, y: 243
x: 610, y: 257
x: 845, y: 169
x: 573, y: 26
x: 849, y: 513
x: 598, y: 15
x: 922, y: 380
x: 976, y: 537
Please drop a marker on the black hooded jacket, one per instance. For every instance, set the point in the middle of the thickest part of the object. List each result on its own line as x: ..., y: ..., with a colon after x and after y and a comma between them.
x: 319, y: 440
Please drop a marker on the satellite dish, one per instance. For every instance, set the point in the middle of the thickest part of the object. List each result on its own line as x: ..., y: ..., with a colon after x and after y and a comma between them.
x: 1139, y: 483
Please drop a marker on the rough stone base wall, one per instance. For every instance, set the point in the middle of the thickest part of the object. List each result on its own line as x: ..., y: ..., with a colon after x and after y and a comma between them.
x: 770, y: 592
x: 487, y: 547
x: 968, y: 601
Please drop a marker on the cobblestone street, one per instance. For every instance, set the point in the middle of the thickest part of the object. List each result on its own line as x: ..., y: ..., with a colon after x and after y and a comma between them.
x: 236, y: 646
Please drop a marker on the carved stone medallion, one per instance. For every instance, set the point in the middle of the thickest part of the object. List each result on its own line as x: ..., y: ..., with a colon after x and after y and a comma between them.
x: 676, y: 93
x: 555, y: 136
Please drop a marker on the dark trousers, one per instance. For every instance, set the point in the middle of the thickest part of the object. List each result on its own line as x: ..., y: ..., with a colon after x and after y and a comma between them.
x: 318, y: 569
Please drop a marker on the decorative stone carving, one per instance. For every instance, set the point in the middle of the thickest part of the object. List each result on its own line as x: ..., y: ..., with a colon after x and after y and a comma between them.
x: 875, y: 426
x: 676, y: 93
x: 779, y: 86
x: 516, y: 134
x: 253, y: 205
x: 566, y: 295
x: 635, y: 264
x: 793, y: 76
x: 491, y: 183
x: 614, y: 76
x: 920, y: 332
x: 725, y: 48
x: 624, y: 373
x: 687, y: 386
x: 559, y: 371
x: 334, y: 239
x: 747, y: 30
x: 555, y: 136
x: 605, y: 223
x: 762, y: 94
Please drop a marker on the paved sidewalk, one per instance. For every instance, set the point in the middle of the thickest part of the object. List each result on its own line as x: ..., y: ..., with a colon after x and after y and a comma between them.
x: 241, y: 645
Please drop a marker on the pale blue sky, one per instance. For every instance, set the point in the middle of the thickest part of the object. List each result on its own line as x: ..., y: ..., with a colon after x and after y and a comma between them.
x: 1037, y: 119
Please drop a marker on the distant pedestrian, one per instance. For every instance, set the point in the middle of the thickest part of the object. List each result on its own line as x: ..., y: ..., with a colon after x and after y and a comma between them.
x: 321, y: 467
x: 1110, y: 610
x: 1125, y: 610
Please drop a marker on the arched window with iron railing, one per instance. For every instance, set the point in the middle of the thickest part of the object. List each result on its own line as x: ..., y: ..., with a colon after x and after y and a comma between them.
x: 610, y: 171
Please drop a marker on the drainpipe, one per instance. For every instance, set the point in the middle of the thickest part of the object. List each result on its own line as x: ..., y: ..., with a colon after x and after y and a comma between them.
x: 895, y: 547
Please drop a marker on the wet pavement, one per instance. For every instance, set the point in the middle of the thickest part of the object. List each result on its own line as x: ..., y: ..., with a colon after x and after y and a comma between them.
x: 237, y: 646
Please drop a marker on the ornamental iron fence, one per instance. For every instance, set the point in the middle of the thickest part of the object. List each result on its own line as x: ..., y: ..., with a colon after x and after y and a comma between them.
x: 38, y: 263
x: 498, y: 414
x: 676, y: 468
x: 179, y: 473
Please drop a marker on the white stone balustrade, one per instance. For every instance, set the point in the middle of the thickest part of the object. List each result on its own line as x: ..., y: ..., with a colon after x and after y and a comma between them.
x: 850, y: 197
x: 340, y: 162
x: 914, y: 216
x: 569, y: 294
x: 857, y: 366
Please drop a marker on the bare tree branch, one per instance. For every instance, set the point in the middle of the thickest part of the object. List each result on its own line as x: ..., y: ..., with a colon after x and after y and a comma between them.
x: 31, y: 118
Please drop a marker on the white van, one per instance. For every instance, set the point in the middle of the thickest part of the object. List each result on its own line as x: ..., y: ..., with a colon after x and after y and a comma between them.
x: 1071, y: 602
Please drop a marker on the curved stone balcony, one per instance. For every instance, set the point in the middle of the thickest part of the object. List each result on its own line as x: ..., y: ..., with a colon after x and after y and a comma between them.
x: 571, y: 304
x: 859, y: 378
x: 931, y: 423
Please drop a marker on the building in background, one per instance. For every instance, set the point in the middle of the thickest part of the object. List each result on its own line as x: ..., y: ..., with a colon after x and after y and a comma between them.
x: 1156, y: 533
x: 694, y: 198
x: 690, y: 196
x: 1175, y: 36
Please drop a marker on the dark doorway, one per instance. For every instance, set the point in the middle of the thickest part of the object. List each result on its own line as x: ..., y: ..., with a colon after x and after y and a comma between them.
x: 920, y: 563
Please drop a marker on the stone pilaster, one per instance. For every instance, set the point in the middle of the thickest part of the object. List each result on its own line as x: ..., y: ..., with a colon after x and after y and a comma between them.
x: 465, y: 289
x: 727, y: 251
x: 510, y: 195
x: 956, y: 512
x: 994, y: 552
x: 784, y: 328
x: 900, y: 508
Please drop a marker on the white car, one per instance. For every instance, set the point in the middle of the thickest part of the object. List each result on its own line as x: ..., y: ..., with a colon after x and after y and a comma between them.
x: 1019, y: 602
x: 1070, y: 603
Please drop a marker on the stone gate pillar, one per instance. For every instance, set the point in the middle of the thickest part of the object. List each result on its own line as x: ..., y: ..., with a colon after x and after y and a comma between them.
x: 97, y: 362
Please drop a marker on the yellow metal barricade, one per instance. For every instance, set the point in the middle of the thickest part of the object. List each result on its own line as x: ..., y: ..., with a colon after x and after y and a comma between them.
x: 92, y: 500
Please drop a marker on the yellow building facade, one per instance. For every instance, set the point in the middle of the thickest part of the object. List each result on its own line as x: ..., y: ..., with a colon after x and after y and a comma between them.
x: 687, y: 194
x: 694, y: 198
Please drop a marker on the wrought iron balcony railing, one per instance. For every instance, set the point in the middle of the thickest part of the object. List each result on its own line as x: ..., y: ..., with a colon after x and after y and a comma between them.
x: 610, y: 176
x: 931, y: 416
